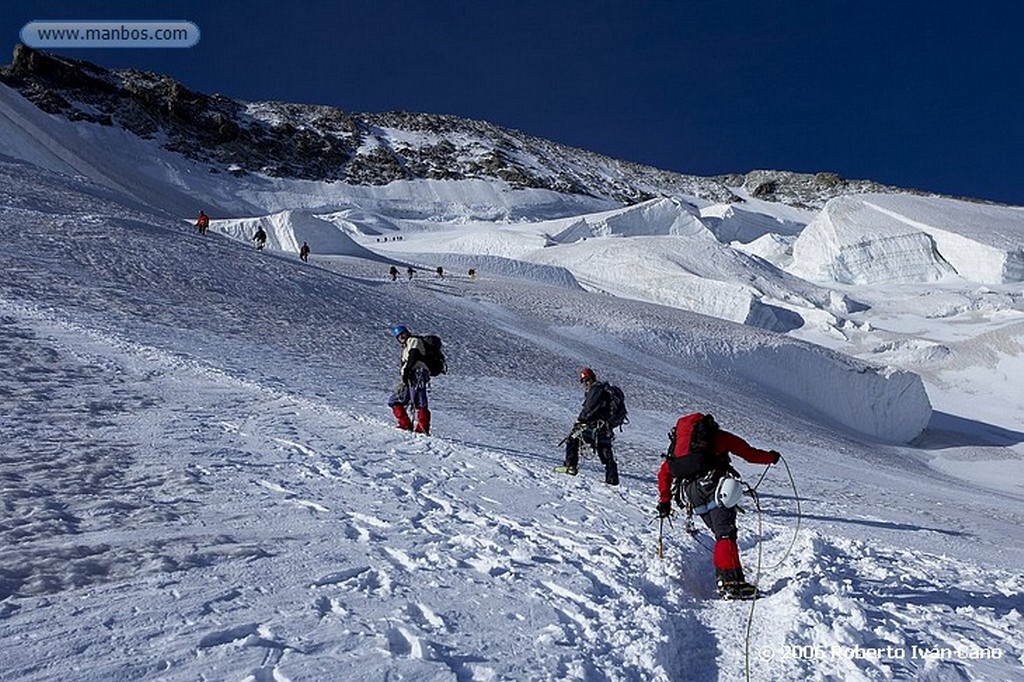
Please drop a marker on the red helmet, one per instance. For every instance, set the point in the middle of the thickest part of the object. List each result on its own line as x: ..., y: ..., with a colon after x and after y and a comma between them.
x: 587, y: 374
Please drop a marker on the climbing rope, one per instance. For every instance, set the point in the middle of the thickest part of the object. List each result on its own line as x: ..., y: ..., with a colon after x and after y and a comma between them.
x: 799, y: 513
x: 760, y: 533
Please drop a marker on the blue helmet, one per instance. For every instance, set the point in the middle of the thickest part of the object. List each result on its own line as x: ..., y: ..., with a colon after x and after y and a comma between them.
x: 398, y: 330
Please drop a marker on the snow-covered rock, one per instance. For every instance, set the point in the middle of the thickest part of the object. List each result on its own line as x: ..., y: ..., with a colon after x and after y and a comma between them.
x: 694, y: 272
x: 981, y: 242
x: 851, y: 243
x: 733, y: 224
x: 654, y: 217
x: 319, y: 143
x: 287, y: 230
x: 883, y: 403
x: 871, y: 239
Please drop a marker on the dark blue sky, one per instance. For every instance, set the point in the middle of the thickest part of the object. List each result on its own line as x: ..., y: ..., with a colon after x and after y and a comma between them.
x: 928, y: 95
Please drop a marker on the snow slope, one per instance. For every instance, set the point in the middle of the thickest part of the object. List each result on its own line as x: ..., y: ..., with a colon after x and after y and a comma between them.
x: 201, y: 480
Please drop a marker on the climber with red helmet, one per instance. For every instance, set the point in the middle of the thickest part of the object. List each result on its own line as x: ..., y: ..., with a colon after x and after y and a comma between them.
x: 592, y: 428
x: 414, y: 382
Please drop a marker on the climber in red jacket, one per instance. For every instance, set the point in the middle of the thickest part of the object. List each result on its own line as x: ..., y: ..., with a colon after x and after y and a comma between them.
x: 698, y: 454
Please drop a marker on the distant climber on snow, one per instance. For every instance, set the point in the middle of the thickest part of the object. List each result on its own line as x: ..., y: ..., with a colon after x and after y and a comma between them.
x: 603, y: 409
x: 440, y: 272
x: 260, y: 238
x: 409, y: 271
x: 202, y: 222
x: 697, y: 463
x: 394, y: 273
x: 304, y: 253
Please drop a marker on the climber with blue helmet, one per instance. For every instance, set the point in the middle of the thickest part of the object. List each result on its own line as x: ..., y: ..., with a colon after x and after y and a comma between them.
x: 415, y: 378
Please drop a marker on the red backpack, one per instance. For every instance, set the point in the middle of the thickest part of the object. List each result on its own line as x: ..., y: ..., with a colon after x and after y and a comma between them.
x: 691, y: 450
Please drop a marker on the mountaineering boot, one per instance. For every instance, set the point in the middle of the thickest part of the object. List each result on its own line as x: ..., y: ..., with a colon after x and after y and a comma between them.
x: 732, y: 585
x: 566, y: 469
x: 611, y: 472
x: 404, y: 422
x: 423, y: 421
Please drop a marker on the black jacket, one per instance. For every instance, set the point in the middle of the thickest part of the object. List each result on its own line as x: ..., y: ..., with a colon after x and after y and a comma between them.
x: 595, y: 404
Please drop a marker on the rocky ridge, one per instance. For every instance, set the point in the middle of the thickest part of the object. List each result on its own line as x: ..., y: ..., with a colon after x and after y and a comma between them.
x: 314, y: 142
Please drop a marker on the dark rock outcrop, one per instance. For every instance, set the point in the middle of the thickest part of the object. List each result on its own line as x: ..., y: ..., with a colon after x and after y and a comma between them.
x: 314, y: 142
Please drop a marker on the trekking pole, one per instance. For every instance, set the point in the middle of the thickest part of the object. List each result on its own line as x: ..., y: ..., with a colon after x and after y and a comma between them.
x: 661, y: 533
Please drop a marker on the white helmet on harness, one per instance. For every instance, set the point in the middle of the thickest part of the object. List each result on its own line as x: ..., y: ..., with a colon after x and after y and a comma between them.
x: 728, y: 492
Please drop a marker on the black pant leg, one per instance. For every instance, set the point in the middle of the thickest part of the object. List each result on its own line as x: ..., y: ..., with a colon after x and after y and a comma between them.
x: 572, y: 453
x: 722, y: 522
x: 611, y: 468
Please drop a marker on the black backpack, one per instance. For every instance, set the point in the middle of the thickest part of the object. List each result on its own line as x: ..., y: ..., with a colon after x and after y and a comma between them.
x: 434, y: 358
x: 691, y: 449
x: 616, y: 401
